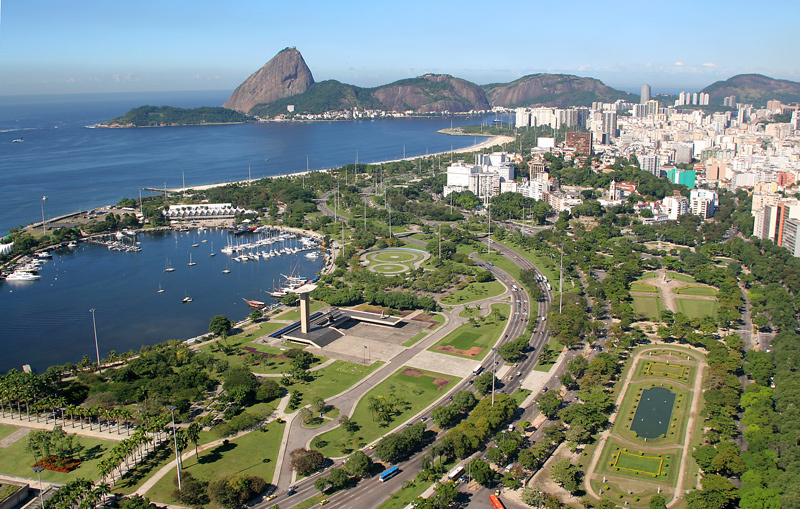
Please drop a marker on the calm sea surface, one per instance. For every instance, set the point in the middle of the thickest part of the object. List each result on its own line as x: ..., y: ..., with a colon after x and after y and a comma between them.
x: 48, y: 322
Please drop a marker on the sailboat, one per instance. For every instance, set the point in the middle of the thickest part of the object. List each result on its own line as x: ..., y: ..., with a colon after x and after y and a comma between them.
x: 191, y: 263
x: 160, y: 290
x: 168, y: 267
x: 212, y: 250
x: 187, y: 299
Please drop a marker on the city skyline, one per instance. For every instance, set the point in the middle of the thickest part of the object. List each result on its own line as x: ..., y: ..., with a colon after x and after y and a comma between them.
x: 95, y: 46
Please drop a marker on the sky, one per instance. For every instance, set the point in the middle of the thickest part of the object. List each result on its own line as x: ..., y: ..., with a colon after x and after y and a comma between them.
x: 85, y: 46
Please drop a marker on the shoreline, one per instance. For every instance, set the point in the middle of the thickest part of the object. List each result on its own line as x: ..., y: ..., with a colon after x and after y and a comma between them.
x: 488, y: 143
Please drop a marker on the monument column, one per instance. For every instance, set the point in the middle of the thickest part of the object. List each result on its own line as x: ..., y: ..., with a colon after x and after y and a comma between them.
x: 305, y: 313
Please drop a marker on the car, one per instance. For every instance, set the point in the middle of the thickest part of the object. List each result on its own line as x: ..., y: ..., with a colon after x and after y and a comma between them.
x: 324, y: 502
x: 371, y: 446
x: 423, y: 419
x: 545, y: 389
x: 272, y: 497
x: 292, y: 490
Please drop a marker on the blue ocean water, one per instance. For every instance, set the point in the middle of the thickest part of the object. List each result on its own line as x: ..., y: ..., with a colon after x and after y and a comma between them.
x: 48, y: 322
x: 79, y: 168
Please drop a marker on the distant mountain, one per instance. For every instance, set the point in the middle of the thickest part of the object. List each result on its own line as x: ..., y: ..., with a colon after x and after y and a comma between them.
x: 432, y: 93
x: 561, y: 90
x: 330, y: 95
x: 754, y: 89
x: 284, y: 76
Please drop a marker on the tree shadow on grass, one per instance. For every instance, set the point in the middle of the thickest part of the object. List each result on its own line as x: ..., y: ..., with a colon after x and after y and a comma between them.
x: 92, y: 453
x: 216, y: 453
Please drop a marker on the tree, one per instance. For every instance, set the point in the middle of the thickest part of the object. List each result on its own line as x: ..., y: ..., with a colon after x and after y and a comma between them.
x: 193, y: 434
x: 256, y: 314
x: 658, y: 502
x: 534, y: 496
x: 483, y: 383
x: 358, y: 464
x: 321, y: 484
x: 234, y: 491
x: 566, y: 475
x: 549, y: 403
x: 306, y: 461
x: 482, y: 472
x: 290, y: 299
x: 220, y: 325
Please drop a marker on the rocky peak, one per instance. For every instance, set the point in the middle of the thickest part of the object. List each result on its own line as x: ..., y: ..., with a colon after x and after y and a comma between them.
x: 284, y: 76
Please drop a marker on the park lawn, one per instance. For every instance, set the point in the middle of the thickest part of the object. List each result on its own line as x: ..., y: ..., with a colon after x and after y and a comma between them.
x: 6, y: 430
x: 252, y: 454
x: 236, y: 359
x: 133, y: 479
x: 648, y: 305
x: 475, y: 291
x: 697, y: 290
x: 293, y: 314
x: 419, y: 391
x: 333, y: 379
x: 439, y: 319
x: 15, y: 460
x: 686, y: 278
x: 641, y: 287
x: 660, y: 368
x: 520, y: 394
x: 468, y: 312
x: 484, y: 336
x: 669, y: 468
x: 556, y: 346
x: 697, y: 308
x: 264, y: 329
x: 640, y: 463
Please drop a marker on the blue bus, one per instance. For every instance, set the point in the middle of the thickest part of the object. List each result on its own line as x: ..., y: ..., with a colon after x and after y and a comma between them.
x: 389, y: 474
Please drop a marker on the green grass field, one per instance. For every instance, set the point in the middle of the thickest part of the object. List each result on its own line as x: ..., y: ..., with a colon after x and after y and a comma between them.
x: 544, y: 263
x: 6, y: 430
x: 473, y: 292
x: 480, y: 338
x: 236, y: 355
x: 652, y: 465
x: 15, y: 460
x: 252, y: 454
x: 696, y: 308
x: 659, y: 368
x: 468, y: 312
x: 333, y: 379
x: 419, y: 391
x: 647, y: 305
x: 686, y: 278
x: 415, y: 338
x: 394, y: 256
x: 641, y: 287
x: 697, y: 290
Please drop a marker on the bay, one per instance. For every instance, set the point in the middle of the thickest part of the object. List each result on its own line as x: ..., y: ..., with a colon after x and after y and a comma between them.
x: 79, y: 168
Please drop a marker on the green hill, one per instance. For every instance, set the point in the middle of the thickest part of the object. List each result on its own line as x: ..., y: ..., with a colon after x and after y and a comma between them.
x: 160, y: 116
x: 754, y: 89
x: 330, y: 95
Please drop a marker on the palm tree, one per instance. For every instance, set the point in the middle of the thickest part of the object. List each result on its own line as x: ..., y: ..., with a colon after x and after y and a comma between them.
x: 182, y: 441
x: 193, y: 434
x: 70, y: 409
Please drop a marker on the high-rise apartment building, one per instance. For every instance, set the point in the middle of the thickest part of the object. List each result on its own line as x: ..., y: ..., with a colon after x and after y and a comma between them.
x: 610, y: 123
x: 645, y: 94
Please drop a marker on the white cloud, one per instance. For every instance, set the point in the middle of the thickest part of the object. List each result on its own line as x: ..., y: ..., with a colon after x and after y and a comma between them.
x: 709, y: 64
x: 124, y: 77
x: 678, y: 63
x: 70, y: 80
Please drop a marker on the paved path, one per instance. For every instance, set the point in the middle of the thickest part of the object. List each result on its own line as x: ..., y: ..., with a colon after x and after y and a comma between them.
x: 104, y: 431
x: 14, y: 437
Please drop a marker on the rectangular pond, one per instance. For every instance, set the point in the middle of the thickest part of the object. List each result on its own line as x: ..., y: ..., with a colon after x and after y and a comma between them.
x: 653, y: 413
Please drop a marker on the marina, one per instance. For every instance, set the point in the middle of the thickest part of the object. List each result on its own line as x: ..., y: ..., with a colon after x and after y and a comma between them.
x: 47, y: 319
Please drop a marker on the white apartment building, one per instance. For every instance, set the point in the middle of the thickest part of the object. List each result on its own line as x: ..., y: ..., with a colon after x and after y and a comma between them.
x: 703, y: 202
x: 675, y: 206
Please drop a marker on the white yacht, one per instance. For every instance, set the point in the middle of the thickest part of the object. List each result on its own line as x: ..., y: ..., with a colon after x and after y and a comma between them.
x: 22, y: 276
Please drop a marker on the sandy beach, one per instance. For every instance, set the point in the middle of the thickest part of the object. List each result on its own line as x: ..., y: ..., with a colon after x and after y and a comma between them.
x: 490, y: 141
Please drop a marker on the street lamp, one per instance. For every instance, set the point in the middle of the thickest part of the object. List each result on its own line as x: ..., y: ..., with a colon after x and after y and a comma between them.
x: 38, y: 471
x: 96, y: 348
x: 44, y: 225
x: 172, y: 408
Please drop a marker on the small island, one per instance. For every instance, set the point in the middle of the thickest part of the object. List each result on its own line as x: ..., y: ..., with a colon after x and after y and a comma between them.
x: 162, y: 116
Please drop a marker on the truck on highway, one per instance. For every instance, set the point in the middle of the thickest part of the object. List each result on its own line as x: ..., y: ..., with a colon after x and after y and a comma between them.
x: 477, y: 371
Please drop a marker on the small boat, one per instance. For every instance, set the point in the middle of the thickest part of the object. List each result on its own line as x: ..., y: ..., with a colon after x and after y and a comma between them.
x: 313, y: 255
x: 255, y: 304
x: 44, y: 255
x: 195, y: 245
x: 191, y: 263
x: 226, y: 271
x: 187, y: 299
x: 212, y: 250
x: 18, y: 140
x: 72, y: 244
x: 160, y: 290
x: 168, y: 267
x: 204, y: 240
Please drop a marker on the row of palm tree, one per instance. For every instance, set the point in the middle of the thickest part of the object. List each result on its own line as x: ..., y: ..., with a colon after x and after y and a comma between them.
x: 20, y: 388
x: 126, y: 454
x: 79, y: 494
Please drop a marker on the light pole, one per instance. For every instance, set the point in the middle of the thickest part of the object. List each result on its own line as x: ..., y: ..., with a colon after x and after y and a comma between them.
x: 175, y: 441
x: 38, y: 471
x: 96, y: 347
x: 44, y: 225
